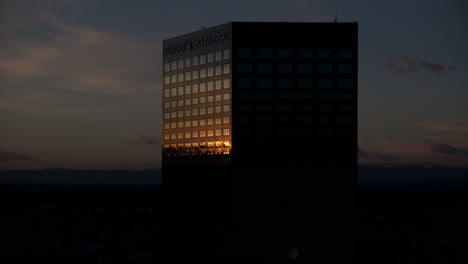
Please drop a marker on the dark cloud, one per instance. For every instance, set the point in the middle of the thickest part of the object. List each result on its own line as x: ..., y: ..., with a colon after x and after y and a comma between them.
x: 6, y: 156
x: 363, y: 154
x: 448, y: 150
x: 386, y: 157
x: 144, y: 140
x: 405, y: 64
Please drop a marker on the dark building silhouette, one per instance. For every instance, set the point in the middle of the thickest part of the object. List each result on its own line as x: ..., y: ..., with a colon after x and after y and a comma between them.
x: 260, y: 143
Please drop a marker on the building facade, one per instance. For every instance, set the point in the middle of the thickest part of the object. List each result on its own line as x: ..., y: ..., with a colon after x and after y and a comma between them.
x: 260, y: 142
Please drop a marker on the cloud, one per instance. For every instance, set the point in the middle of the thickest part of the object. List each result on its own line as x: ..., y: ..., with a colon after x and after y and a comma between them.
x: 445, y: 128
x: 405, y: 64
x: 386, y: 157
x: 144, y: 140
x: 363, y: 154
x: 6, y: 156
x: 448, y: 150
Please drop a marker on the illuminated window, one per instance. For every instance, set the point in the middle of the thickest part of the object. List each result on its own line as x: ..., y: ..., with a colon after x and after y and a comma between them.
x: 304, y: 83
x: 195, y: 74
x: 174, y: 91
x: 180, y: 90
x: 210, y: 98
x: 202, y: 87
x: 195, y: 134
x: 166, y: 104
x: 173, y: 114
x: 218, y: 70
x: 202, y: 111
x: 188, y: 89
x: 285, y: 53
x: 210, y: 57
x: 218, y: 98
x: 304, y: 53
x: 226, y: 83
x: 173, y: 136
x: 210, y: 144
x: 180, y: 114
x: 226, y: 144
x: 219, y: 56
x: 345, y: 83
x: 210, y: 110
x: 210, y: 133
x: 180, y: 77
x: 345, y: 68
x: 188, y: 76
x: 225, y: 108
x: 180, y: 64
x: 304, y: 68
x: 180, y: 103
x: 195, y: 88
x: 174, y: 65
x: 244, y: 67
x: 285, y: 68
x: 218, y: 132
x: 226, y: 54
x: 226, y: 96
x: 167, y: 80
x: 180, y: 135
x: 166, y: 115
x: 218, y: 109
x: 325, y: 68
x: 264, y: 53
x: 180, y: 124
x: 210, y: 86
x: 188, y: 62
x: 167, y: 93
x: 194, y: 123
x: 188, y: 145
x: 194, y: 101
x: 173, y: 125
x: 226, y: 120
x: 187, y: 101
x: 202, y: 133
x: 325, y: 83
x: 210, y: 121
x: 202, y: 100
x: 325, y: 53
x: 173, y: 78
x: 194, y: 112
x: 218, y: 121
x: 188, y: 135
x: 264, y: 83
x: 188, y: 124
x: 345, y: 53
x: 244, y: 53
x: 203, y: 122
x: 210, y: 72
x: 202, y: 73
x: 284, y: 83
x: 195, y: 61
x: 173, y: 104
x: 226, y: 132
x: 218, y: 84
x: 226, y: 68
x: 187, y: 113
x: 264, y: 68
x: 202, y: 59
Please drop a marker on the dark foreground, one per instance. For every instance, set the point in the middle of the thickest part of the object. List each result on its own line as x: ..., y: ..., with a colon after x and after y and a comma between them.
x: 44, y: 223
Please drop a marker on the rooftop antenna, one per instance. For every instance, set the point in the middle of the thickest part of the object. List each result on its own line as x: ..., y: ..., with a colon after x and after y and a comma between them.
x: 336, y: 18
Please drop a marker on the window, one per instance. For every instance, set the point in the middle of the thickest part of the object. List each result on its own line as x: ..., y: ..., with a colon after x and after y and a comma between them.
x: 324, y: 120
x: 218, y: 70
x: 226, y: 96
x: 180, y: 77
x: 188, y: 124
x: 210, y: 99
x: 202, y: 134
x: 188, y: 89
x: 203, y: 122
x: 344, y: 96
x: 202, y: 111
x: 173, y: 125
x: 174, y: 91
x: 218, y: 121
x: 173, y: 104
x: 180, y: 114
x: 194, y: 101
x: 305, y: 96
x: 167, y: 93
x: 345, y: 83
x: 173, y: 78
x: 202, y: 73
x: 210, y: 133
x: 195, y: 134
x: 285, y: 68
x: 244, y: 53
x: 304, y: 68
x: 345, y: 119
x: 167, y: 104
x: 167, y: 66
x: 284, y: 108
x: 195, y: 88
x: 304, y: 83
x: 210, y: 86
x: 325, y: 96
x: 210, y: 121
x: 264, y: 96
x: 264, y: 83
x: 285, y: 96
x: 226, y: 54
x: 167, y: 79
x: 166, y: 115
x: 244, y: 67
x: 210, y: 110
x: 226, y: 120
x: 180, y: 90
x: 244, y: 108
x: 166, y: 136
x: 188, y: 62
x: 202, y: 87
x: 226, y: 68
x: 218, y: 109
x: 219, y: 56
x: 188, y: 113
x: 325, y: 108
x: 195, y: 123
x: 195, y: 61
x: 345, y: 68
x: 264, y: 53
x: 325, y: 83
x: 180, y: 103
x: 180, y: 64
x: 345, y: 54
x: 226, y: 84
x: 188, y: 135
x: 225, y: 108
x: 202, y: 59
x: 180, y: 135
x: 264, y: 68
x: 284, y: 83
x: 173, y: 136
x: 285, y: 53
x: 304, y: 53
x: 194, y: 112
x: 202, y: 100
x: 210, y: 72
x: 345, y: 108
x: 218, y: 132
x: 325, y: 53
x: 218, y: 85
x: 218, y: 98
x: 210, y: 57
x: 244, y: 96
x: 244, y: 83
x: 325, y: 68
x: 195, y: 74
x: 264, y: 108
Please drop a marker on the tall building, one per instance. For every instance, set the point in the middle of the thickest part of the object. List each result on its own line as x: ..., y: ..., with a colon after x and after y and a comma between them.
x: 260, y: 143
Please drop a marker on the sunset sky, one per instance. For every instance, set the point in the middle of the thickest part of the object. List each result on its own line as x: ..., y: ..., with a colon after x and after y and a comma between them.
x: 80, y: 80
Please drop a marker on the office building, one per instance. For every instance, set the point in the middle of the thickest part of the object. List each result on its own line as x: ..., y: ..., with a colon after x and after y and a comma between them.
x: 260, y: 143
